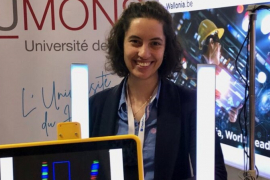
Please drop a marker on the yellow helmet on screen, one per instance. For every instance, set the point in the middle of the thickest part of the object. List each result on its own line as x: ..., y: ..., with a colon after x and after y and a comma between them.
x: 207, y: 28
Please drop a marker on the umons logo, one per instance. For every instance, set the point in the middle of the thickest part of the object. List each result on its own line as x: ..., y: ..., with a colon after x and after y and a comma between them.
x: 53, y: 9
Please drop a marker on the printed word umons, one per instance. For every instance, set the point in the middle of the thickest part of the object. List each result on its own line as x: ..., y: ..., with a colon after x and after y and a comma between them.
x: 51, y: 9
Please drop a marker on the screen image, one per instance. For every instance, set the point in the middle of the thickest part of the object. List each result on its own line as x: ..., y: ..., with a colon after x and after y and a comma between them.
x: 229, y: 26
x: 94, y: 165
x: 107, y: 158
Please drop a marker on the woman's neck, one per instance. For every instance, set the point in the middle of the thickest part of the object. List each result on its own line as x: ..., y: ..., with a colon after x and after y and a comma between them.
x: 140, y: 93
x: 141, y: 89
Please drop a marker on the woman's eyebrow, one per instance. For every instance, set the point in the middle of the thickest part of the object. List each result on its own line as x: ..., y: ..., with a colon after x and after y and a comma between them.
x: 157, y: 38
x: 134, y: 37
x: 152, y: 39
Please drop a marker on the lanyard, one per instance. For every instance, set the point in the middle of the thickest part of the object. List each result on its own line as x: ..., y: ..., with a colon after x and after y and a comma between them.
x: 131, y: 120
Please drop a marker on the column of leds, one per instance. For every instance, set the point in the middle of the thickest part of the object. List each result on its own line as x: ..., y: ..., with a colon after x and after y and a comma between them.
x: 79, y: 97
x: 206, y: 85
x: 94, y: 170
x: 44, y: 171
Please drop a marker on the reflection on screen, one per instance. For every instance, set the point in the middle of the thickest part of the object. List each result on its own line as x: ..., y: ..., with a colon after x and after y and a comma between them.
x: 116, y: 170
x: 61, y: 170
x: 6, y: 166
x: 231, y: 92
x: 94, y: 165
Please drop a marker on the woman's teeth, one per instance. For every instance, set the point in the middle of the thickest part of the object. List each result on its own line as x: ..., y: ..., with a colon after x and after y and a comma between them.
x: 143, y: 63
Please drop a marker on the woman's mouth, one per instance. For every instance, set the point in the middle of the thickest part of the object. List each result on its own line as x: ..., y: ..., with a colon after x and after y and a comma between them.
x: 143, y: 64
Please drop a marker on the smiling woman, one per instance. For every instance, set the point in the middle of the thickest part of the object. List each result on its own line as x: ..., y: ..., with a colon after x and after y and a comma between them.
x: 142, y: 47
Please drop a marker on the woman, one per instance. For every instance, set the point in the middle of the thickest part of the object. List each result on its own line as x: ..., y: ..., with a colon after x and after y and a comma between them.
x: 142, y: 48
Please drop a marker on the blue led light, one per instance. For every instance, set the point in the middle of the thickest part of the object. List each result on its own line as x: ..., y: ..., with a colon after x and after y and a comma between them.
x: 94, y: 170
x: 44, y: 171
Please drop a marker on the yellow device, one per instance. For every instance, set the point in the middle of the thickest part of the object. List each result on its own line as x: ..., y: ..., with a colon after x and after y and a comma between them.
x: 100, y: 158
x: 68, y: 130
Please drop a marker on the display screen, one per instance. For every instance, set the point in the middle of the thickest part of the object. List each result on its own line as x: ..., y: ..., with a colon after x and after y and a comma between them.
x: 82, y: 165
x: 229, y: 27
x: 114, y: 160
x: 229, y: 85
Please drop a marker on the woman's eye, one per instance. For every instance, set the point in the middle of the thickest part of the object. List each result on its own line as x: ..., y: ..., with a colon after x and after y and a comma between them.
x: 156, y: 43
x: 134, y: 41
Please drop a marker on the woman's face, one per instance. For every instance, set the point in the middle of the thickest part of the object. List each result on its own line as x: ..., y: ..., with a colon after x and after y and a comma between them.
x: 144, y: 46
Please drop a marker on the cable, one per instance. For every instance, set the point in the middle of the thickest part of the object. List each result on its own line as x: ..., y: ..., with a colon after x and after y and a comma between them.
x: 244, y: 130
x: 245, y: 99
x: 243, y: 111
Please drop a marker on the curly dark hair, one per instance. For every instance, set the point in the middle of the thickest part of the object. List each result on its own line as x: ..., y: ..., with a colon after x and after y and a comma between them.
x: 115, y: 41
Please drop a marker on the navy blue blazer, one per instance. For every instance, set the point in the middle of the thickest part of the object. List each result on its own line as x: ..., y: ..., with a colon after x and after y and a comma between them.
x: 175, y: 152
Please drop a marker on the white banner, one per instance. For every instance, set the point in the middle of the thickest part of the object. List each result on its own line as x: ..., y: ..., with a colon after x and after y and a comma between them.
x: 39, y: 40
x: 174, y: 6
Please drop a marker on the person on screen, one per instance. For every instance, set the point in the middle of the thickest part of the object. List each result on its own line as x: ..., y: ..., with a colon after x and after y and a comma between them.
x: 209, y: 44
x: 143, y: 49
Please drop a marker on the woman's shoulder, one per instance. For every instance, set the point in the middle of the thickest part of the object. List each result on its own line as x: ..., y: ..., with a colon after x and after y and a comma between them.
x: 107, y: 94
x: 104, y: 93
x: 182, y: 90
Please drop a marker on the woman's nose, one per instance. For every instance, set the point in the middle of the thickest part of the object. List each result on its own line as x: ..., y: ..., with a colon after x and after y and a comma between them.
x: 144, y: 51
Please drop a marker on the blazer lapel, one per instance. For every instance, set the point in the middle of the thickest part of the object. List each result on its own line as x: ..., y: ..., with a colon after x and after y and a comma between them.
x: 109, y: 116
x: 168, y: 131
